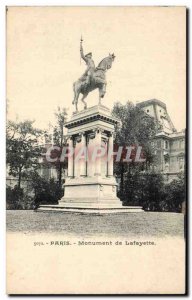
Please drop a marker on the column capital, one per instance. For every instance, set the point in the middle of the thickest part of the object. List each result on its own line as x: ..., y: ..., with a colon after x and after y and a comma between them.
x: 111, y: 134
x: 91, y: 135
x: 104, y: 139
x: 99, y: 130
x: 78, y: 138
x: 69, y: 137
x: 82, y: 133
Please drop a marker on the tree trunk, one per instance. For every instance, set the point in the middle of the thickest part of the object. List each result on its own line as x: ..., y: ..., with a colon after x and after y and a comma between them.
x: 19, y: 179
x: 60, y: 174
x: 122, y: 178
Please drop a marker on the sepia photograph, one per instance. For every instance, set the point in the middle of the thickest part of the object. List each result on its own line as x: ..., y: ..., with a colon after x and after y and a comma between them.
x: 96, y: 199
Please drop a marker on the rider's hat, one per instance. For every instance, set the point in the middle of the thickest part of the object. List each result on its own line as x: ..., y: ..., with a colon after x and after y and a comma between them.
x: 90, y: 53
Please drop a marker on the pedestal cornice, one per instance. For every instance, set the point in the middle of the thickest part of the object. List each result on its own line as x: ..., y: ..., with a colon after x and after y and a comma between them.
x: 95, y: 113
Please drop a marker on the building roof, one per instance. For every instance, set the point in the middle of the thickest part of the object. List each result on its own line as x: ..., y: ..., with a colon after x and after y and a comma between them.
x: 150, y: 102
x: 173, y: 135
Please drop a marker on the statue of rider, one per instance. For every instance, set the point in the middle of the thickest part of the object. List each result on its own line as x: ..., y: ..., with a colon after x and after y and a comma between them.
x: 90, y: 65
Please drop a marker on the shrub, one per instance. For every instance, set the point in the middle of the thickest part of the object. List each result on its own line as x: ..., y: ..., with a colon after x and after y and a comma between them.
x: 14, y: 197
x: 174, y: 195
x: 45, y: 191
x: 152, y: 193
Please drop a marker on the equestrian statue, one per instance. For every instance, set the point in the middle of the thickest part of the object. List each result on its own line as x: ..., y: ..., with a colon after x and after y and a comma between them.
x: 93, y: 78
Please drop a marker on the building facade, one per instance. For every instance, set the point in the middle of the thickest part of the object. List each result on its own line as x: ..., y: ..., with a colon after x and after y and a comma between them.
x: 169, y: 144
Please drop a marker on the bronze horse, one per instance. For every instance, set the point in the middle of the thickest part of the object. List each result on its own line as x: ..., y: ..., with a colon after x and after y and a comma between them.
x: 97, y: 82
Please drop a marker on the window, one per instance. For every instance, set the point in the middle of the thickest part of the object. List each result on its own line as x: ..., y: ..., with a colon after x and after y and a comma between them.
x: 175, y: 145
x: 158, y: 144
x: 181, y: 144
x: 181, y: 163
x: 166, y: 145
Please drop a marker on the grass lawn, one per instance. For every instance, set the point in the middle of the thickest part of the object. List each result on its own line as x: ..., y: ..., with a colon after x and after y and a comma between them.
x: 153, y: 224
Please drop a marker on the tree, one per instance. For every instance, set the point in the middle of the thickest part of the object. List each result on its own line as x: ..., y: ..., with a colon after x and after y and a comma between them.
x: 174, y: 195
x: 152, y: 185
x: 14, y: 197
x: 152, y: 192
x: 23, y: 150
x: 59, y: 138
x: 45, y: 191
x: 137, y: 129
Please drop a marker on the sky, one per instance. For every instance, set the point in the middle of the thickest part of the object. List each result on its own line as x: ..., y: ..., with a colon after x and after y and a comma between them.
x: 43, y: 58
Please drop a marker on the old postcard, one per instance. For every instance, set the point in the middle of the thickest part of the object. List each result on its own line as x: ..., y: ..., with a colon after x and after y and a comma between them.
x: 96, y: 172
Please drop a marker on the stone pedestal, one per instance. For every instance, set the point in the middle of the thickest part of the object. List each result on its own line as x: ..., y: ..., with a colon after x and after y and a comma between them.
x: 90, y: 186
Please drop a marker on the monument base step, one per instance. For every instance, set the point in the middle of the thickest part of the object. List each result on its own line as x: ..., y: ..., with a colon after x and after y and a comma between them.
x: 90, y: 210
x: 90, y: 203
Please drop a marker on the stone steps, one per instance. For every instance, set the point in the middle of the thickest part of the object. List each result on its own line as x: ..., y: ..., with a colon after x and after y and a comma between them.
x: 90, y: 210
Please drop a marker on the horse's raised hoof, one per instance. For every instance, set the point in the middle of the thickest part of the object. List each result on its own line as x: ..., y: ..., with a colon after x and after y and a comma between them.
x: 85, y: 107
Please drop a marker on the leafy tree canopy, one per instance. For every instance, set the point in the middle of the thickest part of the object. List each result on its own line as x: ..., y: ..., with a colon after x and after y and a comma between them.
x: 136, y: 129
x: 23, y: 150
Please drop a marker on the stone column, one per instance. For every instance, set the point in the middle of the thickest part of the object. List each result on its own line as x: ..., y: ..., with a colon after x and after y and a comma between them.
x: 97, y: 143
x: 110, y: 160
x: 83, y: 167
x: 104, y: 162
x: 70, y: 159
x: 77, y: 160
x: 90, y: 146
